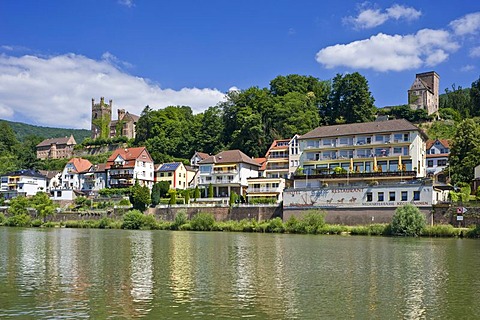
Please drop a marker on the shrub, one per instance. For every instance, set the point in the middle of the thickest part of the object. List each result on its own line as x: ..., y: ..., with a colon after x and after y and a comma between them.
x: 291, y: 225
x: 2, y: 219
x: 311, y: 222
x: 19, y: 220
x: 133, y: 220
x: 124, y: 202
x: 36, y: 223
x: 202, y: 221
x: 150, y: 222
x: 275, y: 225
x: 49, y: 224
x: 262, y: 200
x: 104, y: 223
x: 180, y: 219
x: 441, y: 230
x: 408, y: 221
x: 332, y: 229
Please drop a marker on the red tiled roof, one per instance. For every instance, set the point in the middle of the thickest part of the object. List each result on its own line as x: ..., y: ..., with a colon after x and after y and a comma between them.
x: 130, y: 155
x: 444, y: 142
x: 81, y: 165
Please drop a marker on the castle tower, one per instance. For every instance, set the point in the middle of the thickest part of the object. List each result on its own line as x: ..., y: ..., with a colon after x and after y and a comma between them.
x: 423, y: 93
x: 101, y: 118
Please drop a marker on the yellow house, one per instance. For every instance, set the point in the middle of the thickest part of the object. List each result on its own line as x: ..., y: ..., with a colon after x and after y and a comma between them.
x: 175, y: 173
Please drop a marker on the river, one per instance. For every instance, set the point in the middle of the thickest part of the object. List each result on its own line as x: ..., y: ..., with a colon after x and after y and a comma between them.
x: 100, y: 274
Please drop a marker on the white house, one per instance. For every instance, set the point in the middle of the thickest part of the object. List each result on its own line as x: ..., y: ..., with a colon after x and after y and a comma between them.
x: 125, y: 166
x: 227, y: 172
x: 22, y: 183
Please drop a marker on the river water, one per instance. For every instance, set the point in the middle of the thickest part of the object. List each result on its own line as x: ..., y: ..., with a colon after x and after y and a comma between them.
x: 99, y: 274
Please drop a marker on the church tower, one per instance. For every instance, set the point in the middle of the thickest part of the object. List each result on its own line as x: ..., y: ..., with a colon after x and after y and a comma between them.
x: 101, y: 118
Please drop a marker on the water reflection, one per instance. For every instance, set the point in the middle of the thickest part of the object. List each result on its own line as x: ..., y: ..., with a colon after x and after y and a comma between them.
x: 141, y: 271
x: 101, y: 274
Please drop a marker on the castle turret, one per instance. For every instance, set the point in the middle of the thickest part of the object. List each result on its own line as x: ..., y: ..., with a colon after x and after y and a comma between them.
x: 101, y: 118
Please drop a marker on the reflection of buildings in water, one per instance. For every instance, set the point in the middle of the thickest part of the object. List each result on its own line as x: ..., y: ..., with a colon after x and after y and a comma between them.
x: 181, y: 268
x: 284, y: 282
x: 32, y: 267
x: 141, y: 275
x: 243, y: 285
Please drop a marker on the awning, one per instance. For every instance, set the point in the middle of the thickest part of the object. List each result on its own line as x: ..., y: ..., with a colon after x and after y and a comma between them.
x: 225, y: 166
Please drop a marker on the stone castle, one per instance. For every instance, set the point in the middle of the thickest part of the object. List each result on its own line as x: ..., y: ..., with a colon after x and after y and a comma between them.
x: 104, y: 127
x: 423, y: 93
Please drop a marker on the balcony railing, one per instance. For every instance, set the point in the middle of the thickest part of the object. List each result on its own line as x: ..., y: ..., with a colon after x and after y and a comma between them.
x: 121, y: 175
x: 357, y: 175
x: 117, y: 165
x: 121, y: 185
x: 225, y: 171
x: 266, y: 189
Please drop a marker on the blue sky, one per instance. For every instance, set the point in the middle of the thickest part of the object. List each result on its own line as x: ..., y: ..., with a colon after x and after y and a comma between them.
x: 55, y: 56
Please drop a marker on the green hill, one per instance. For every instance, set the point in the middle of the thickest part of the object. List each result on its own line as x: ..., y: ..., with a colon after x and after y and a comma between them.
x: 22, y: 130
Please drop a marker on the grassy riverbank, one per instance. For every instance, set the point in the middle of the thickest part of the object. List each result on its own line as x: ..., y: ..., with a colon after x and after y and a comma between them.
x: 311, y: 223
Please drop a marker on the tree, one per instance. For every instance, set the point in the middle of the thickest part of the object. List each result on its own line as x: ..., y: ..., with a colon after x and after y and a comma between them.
x: 408, y: 221
x: 197, y: 193
x: 210, y: 190
x: 164, y: 187
x: 43, y: 204
x: 156, y: 191
x: 475, y: 98
x: 457, y: 99
x: 465, y: 151
x: 18, y: 206
x: 173, y: 196
x: 186, y: 194
x: 140, y: 197
x: 350, y: 100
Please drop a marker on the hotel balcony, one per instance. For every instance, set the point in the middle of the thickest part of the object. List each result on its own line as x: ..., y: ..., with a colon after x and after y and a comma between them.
x: 358, y: 175
x: 121, y: 175
x: 264, y: 190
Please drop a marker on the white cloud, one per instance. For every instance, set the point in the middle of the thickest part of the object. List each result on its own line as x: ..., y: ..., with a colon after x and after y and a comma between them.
x: 126, y: 3
x: 467, y: 68
x: 468, y: 24
x: 370, y: 18
x: 384, y: 52
x: 57, y: 91
x: 475, y: 52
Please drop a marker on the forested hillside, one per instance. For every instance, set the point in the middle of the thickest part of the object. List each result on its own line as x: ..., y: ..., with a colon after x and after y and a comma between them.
x: 23, y: 130
x: 251, y: 119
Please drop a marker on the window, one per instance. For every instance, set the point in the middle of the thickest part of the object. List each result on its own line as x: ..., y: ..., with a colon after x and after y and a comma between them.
x: 59, y: 194
x: 391, y: 196
x: 345, y: 141
x: 397, y: 137
x: 369, y: 197
x: 406, y: 137
x: 404, y: 195
x: 432, y: 151
x: 397, y: 150
x: 416, y: 195
x: 430, y: 163
x: 328, y: 142
x: 442, y: 162
x: 380, y: 196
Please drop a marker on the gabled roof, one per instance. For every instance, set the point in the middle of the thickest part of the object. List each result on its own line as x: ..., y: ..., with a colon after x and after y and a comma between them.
x: 48, y: 174
x: 201, y: 155
x: 360, y: 128
x: 25, y: 173
x: 444, y: 143
x: 229, y: 156
x: 262, y: 162
x: 99, y: 167
x: 59, y: 141
x: 172, y: 166
x: 81, y: 165
x: 130, y: 155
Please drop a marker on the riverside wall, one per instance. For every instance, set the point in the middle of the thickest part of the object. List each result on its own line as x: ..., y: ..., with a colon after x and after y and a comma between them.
x: 439, y: 214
